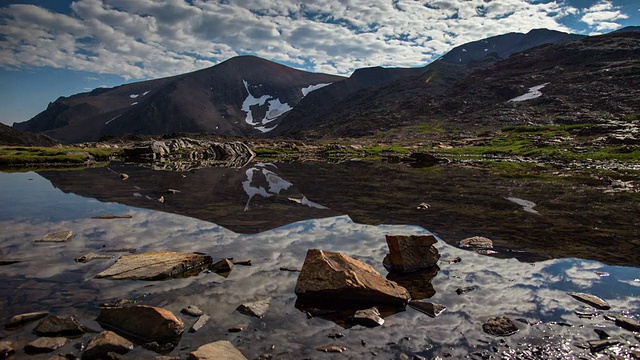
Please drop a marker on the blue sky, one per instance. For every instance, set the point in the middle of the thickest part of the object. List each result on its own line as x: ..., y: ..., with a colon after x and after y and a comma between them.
x: 52, y: 48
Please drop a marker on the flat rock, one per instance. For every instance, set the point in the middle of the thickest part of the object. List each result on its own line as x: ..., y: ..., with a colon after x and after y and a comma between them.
x: 368, y: 317
x: 192, y: 310
x: 156, y: 265
x: 431, y: 309
x: 92, y: 256
x: 500, y: 326
x: 111, y: 217
x: 104, y: 343
x: 222, y: 349
x: 222, y: 266
x: 289, y: 268
x: 45, y: 344
x: 255, y: 308
x: 465, y: 289
x: 54, y: 325
x: 476, y: 242
x: 332, y: 348
x: 7, y: 348
x: 22, y: 319
x: 628, y: 323
x: 244, y: 262
x: 147, y: 323
x: 61, y: 236
x: 202, y: 320
x: 337, y: 277
x: 408, y: 253
x: 599, y: 345
x: 592, y: 300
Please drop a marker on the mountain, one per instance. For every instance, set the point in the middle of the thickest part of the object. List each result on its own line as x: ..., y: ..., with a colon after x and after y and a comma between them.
x: 13, y: 137
x: 245, y: 95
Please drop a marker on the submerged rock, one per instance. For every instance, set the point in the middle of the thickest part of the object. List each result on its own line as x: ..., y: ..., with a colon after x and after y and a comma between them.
x: 61, y: 236
x: 104, y: 343
x: 156, y: 265
x: 465, y: 289
x: 408, y: 253
x: 148, y: 323
x: 592, y: 300
x: 426, y: 307
x: 22, y: 319
x: 192, y: 310
x: 368, y: 317
x: 255, y: 308
x: 340, y: 278
x: 54, y: 325
x: 222, y: 349
x: 45, y: 344
x: 476, y: 242
x: 500, y: 326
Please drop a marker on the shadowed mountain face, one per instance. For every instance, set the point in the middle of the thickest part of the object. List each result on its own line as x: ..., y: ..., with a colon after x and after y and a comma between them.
x: 10, y: 136
x: 242, y: 96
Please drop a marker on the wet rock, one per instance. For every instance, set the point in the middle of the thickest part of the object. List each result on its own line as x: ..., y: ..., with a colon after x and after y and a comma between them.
x: 45, y: 344
x: 411, y: 253
x: 202, y: 320
x: 592, y: 300
x: 192, y: 310
x: 368, y: 317
x: 129, y: 250
x: 59, y: 326
x: 627, y: 323
x: 500, y: 326
x: 91, y: 256
x: 156, y: 265
x: 255, y: 308
x: 585, y: 314
x: 222, y: 266
x: 244, y: 262
x: 476, y: 242
x: 159, y: 348
x: 334, y: 276
x: 289, y: 268
x: 7, y: 348
x: 426, y: 307
x: 147, y: 323
x: 111, y: 217
x: 237, y: 328
x: 601, y: 334
x: 222, y: 349
x: 465, y: 289
x: 22, y: 319
x: 599, y: 345
x: 331, y: 348
x: 61, y: 236
x: 104, y: 343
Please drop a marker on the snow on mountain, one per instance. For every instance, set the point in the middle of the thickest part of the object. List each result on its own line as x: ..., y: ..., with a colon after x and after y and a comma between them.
x: 276, y: 108
x: 534, y: 92
x: 311, y: 88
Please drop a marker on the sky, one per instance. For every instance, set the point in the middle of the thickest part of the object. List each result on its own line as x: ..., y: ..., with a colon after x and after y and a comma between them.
x: 53, y: 48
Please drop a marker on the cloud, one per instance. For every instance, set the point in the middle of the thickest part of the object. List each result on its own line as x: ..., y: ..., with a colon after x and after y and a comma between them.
x: 602, y: 16
x: 148, y: 39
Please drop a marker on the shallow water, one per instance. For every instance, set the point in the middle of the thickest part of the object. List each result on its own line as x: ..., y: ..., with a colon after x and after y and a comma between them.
x: 215, y: 213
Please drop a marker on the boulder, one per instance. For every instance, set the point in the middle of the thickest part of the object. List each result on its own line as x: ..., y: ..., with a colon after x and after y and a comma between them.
x: 156, y: 265
x: 222, y: 349
x: 22, y: 319
x: 368, y: 317
x: 255, y: 308
x: 44, y: 344
x: 426, y: 307
x: 408, y: 253
x: 592, y: 300
x: 500, y: 326
x: 104, y: 343
x: 340, y: 278
x: 59, y: 326
x: 61, y: 236
x: 476, y: 242
x: 148, y: 323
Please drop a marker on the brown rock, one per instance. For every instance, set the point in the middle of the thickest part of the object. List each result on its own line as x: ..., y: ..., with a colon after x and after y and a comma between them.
x: 45, y: 344
x: 22, y: 319
x: 592, y: 300
x: 628, y: 323
x: 202, y: 320
x: 418, y: 283
x: 61, y: 236
x: 59, y: 326
x: 7, y: 348
x: 104, y: 343
x: 408, y: 253
x: 147, y: 323
x: 500, y: 326
x: 245, y: 262
x: 222, y: 349
x: 338, y: 277
x: 426, y: 307
x: 255, y: 308
x: 156, y: 265
x: 91, y: 256
x: 192, y: 310
x: 332, y: 348
x: 476, y: 242
x: 368, y: 317
x: 222, y: 266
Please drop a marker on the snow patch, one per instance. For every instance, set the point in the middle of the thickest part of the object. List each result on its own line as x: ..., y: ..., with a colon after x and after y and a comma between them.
x: 146, y: 92
x: 311, y: 88
x: 276, y: 108
x: 526, y: 204
x: 534, y: 92
x: 464, y: 50
x: 134, y: 103
x: 113, y: 118
x: 133, y: 96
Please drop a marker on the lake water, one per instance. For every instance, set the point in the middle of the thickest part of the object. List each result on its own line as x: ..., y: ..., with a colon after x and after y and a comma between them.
x: 550, y: 237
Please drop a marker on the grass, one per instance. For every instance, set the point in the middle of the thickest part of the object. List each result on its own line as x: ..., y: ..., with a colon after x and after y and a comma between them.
x: 30, y: 155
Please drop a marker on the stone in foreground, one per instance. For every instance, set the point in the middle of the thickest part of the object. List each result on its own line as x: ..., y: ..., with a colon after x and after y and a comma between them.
x: 192, y: 310
x: 592, y: 300
x: 61, y: 236
x: 59, y: 326
x: 409, y: 253
x: 156, y: 265
x: 500, y: 326
x: 368, y: 317
x: 22, y: 319
x: 146, y: 323
x: 426, y: 307
x: 338, y: 277
x: 222, y: 349
x: 476, y: 242
x: 7, y: 348
x: 628, y: 323
x: 202, y: 320
x: 104, y: 343
x: 255, y: 308
x: 44, y: 344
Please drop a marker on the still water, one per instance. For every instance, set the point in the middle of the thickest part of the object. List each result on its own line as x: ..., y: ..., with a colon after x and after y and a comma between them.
x: 551, y: 238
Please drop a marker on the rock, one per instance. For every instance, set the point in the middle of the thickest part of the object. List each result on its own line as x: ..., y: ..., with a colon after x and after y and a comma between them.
x: 368, y: 317
x: 411, y: 253
x: 22, y: 319
x: 599, y: 345
x: 244, y: 262
x: 222, y: 266
x: 500, y: 326
x: 452, y: 260
x: 337, y: 277
x: 111, y: 217
x: 129, y: 250
x: 426, y: 307
x: 331, y: 348
x: 156, y: 265
x: 7, y: 348
x: 124, y: 176
x: 289, y: 268
x: 61, y: 236
x: 104, y: 343
x: 147, y: 323
x: 59, y: 326
x: 91, y: 256
x: 466, y: 289
x: 45, y: 344
x: 237, y: 328
x: 602, y: 335
x: 192, y: 310
x: 592, y: 300
x: 202, y: 320
x: 222, y: 349
x: 628, y: 323
x: 476, y: 242
x: 255, y: 308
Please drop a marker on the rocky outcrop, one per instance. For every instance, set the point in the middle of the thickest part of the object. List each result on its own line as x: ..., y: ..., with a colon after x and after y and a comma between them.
x: 156, y: 265
x: 408, y: 253
x: 340, y: 278
x: 222, y: 349
x: 104, y: 343
x: 148, y: 323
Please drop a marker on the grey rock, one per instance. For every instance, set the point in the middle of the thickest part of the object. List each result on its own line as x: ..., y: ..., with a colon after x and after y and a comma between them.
x: 368, y: 317
x: 628, y: 323
x: 500, y: 326
x: 476, y: 242
x: 409, y: 253
x: 426, y: 307
x: 147, y: 323
x: 255, y: 308
x: 104, y: 343
x: 599, y: 345
x: 91, y: 256
x: 156, y: 265
x: 222, y: 349
x: 192, y: 310
x: 45, y: 344
x: 59, y: 326
x: 22, y: 319
x: 202, y: 320
x: 592, y: 300
x: 61, y: 236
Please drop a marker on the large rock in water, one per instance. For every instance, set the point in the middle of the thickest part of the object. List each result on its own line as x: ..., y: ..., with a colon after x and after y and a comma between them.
x: 156, y: 265
x: 146, y: 323
x: 222, y: 349
x: 408, y: 253
x: 337, y: 277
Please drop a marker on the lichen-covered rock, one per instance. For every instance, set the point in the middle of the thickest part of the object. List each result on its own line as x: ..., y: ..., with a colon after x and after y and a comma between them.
x: 408, y: 253
x: 476, y: 242
x: 148, y: 323
x: 156, y: 265
x: 222, y: 349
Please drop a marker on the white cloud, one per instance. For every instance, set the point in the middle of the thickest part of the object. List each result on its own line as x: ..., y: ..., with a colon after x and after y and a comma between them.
x: 602, y: 16
x: 147, y: 39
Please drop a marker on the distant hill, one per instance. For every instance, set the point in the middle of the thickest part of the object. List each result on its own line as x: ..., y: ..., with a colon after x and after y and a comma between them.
x: 12, y: 137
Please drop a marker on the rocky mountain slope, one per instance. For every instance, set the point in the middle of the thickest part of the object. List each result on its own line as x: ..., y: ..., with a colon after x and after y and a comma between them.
x: 244, y: 95
x: 13, y: 137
